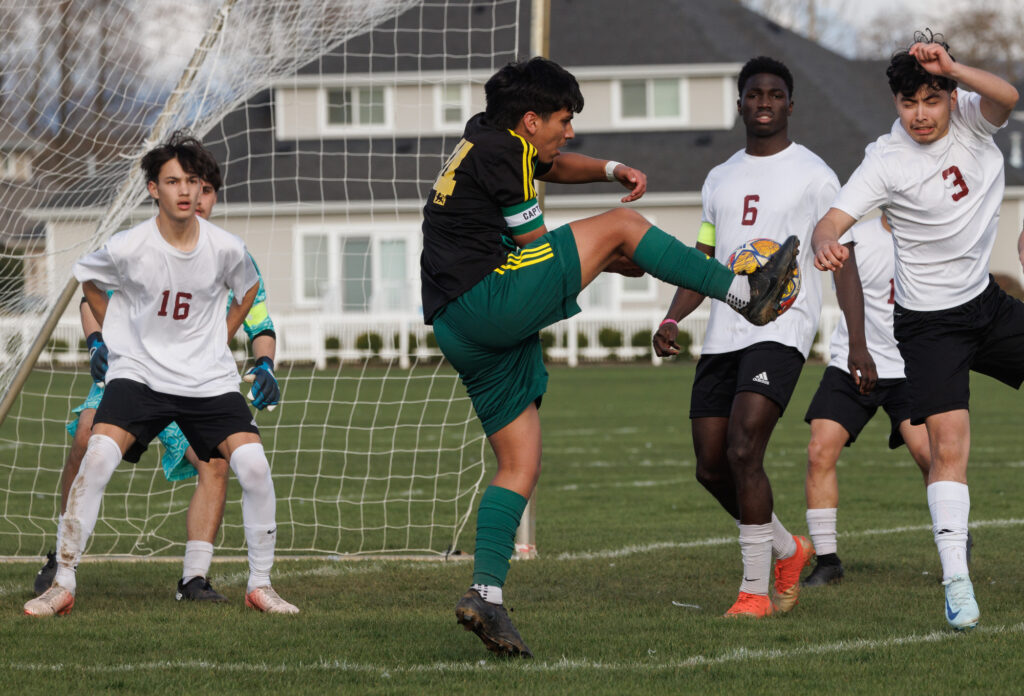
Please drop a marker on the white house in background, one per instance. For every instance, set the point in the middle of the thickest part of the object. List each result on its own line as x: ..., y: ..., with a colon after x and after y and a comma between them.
x: 326, y: 172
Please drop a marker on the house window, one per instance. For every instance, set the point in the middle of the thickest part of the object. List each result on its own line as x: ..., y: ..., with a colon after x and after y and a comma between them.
x: 356, y: 270
x: 357, y: 107
x: 657, y: 100
x: 453, y: 105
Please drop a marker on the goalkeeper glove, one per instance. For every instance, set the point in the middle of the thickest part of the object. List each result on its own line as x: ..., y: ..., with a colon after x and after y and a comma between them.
x: 98, y: 354
x: 265, y: 392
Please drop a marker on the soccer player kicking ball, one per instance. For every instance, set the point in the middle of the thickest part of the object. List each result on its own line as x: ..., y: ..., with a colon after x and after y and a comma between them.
x: 493, y: 276
x: 865, y: 372
x: 938, y: 176
x: 179, y: 461
x: 746, y: 374
x: 169, y: 361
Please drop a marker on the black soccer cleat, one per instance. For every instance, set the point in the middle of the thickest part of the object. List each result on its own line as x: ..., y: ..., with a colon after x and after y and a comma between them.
x: 46, y: 574
x: 491, y: 624
x: 768, y: 284
x: 824, y: 574
x: 198, y: 590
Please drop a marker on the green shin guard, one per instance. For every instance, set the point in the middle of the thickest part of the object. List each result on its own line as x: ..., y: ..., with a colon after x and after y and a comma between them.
x: 496, y: 523
x: 668, y: 259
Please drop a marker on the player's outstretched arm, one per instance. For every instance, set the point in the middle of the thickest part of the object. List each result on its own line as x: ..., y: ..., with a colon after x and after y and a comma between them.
x: 574, y: 168
x: 683, y: 303
x: 998, y: 97
x: 850, y: 294
x: 829, y: 254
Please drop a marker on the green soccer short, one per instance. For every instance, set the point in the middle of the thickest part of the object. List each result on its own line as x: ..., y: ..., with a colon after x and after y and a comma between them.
x: 490, y: 334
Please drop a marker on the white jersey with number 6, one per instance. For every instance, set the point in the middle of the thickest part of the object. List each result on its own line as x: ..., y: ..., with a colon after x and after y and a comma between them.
x: 165, y: 324
x: 876, y: 266
x: 942, y: 200
x: 747, y: 197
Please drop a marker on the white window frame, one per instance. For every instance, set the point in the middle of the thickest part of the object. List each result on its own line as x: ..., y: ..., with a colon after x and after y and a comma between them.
x: 328, y: 128
x: 650, y: 122
x: 377, y: 233
x: 439, y: 102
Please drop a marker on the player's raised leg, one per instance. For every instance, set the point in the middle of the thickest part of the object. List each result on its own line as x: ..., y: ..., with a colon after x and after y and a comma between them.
x: 603, y: 240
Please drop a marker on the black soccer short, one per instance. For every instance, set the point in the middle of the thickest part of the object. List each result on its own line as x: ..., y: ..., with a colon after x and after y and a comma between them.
x: 838, y: 399
x: 205, y: 421
x: 939, y: 349
x: 767, y: 368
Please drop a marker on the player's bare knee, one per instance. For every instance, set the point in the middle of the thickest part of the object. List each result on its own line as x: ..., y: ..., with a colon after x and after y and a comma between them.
x: 819, y: 456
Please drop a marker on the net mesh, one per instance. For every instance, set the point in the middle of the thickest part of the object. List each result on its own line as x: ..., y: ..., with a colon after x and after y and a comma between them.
x: 330, y: 121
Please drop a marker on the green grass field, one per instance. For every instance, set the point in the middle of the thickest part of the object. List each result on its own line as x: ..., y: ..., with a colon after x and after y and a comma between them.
x: 637, y: 564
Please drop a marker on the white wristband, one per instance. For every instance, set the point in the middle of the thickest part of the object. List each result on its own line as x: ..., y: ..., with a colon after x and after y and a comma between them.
x: 609, y: 169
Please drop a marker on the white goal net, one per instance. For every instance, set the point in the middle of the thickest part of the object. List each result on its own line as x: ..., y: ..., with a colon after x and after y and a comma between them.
x: 330, y: 120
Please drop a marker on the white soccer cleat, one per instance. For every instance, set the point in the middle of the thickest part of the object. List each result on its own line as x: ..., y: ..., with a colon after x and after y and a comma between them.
x: 961, y: 607
x: 268, y: 601
x: 56, y: 601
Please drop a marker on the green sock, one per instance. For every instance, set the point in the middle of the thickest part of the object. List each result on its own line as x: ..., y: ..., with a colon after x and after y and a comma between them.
x: 496, y: 522
x: 668, y: 259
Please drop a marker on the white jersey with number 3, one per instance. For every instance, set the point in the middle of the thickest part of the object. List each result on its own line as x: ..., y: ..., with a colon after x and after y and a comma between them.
x: 876, y: 266
x: 942, y: 200
x: 165, y: 323
x: 748, y: 197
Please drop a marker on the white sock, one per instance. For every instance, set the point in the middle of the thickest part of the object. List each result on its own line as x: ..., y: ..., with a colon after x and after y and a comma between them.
x: 783, y: 543
x: 489, y: 593
x: 250, y: 465
x: 821, y: 523
x: 756, y: 549
x: 738, y: 295
x: 198, y: 555
x: 950, y: 505
x: 101, y: 459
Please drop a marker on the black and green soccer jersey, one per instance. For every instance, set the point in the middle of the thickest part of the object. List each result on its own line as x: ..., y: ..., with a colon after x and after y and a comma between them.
x: 483, y: 197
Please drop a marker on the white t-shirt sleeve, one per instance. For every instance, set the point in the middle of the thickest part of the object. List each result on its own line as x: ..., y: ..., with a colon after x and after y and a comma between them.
x: 242, y: 275
x: 969, y: 106
x: 100, y: 268
x: 707, y: 202
x: 867, y: 187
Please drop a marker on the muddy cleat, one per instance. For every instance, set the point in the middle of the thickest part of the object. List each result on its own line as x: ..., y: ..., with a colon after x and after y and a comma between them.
x: 753, y: 605
x: 56, y: 601
x: 269, y: 602
x: 198, y: 590
x: 491, y: 624
x: 787, y: 574
x: 769, y: 282
x: 961, y: 607
x: 824, y: 574
x: 46, y: 574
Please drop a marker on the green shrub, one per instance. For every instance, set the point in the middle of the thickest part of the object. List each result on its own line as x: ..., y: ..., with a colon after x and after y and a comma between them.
x: 57, y: 345
x: 608, y: 337
x: 581, y: 340
x: 332, y: 343
x: 684, y: 340
x: 641, y: 339
x: 431, y: 340
x: 369, y: 341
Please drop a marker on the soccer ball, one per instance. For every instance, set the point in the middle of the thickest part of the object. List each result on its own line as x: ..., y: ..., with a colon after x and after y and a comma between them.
x: 753, y: 254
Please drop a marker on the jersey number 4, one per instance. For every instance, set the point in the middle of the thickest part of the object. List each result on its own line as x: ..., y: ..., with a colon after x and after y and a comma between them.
x: 958, y: 182
x: 181, y: 306
x: 444, y: 185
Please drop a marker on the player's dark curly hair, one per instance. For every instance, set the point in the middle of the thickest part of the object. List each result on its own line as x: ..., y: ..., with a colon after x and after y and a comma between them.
x: 906, y: 75
x: 537, y: 85
x: 191, y: 155
x: 764, y: 64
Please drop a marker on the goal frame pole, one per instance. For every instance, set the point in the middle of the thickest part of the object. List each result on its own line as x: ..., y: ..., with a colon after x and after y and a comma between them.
x: 125, y: 194
x: 540, y: 45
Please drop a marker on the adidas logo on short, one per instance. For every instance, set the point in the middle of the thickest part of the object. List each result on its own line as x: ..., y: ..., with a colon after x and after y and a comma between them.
x: 762, y: 378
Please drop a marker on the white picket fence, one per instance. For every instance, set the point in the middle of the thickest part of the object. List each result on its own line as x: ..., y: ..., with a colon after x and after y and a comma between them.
x: 318, y: 339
